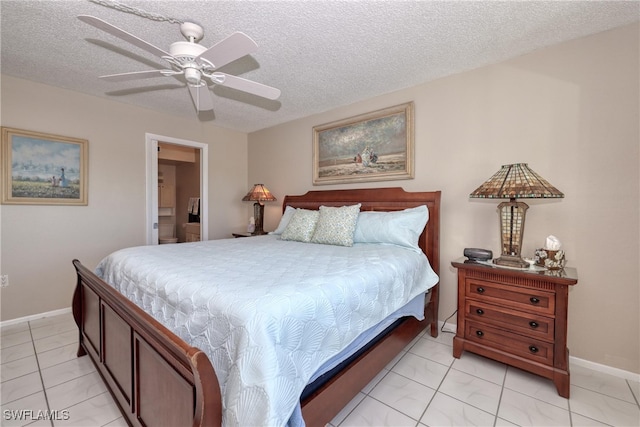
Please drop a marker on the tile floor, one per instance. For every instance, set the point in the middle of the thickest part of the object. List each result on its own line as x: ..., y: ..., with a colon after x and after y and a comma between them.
x: 424, y: 386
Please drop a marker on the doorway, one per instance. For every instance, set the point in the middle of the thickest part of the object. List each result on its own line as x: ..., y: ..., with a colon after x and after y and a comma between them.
x: 182, y: 212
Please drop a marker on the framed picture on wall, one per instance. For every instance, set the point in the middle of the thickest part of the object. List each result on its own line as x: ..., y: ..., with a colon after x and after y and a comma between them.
x: 376, y: 146
x: 43, y: 169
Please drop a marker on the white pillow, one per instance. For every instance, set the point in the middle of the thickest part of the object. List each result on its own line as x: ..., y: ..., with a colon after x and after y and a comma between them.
x: 301, y: 226
x: 402, y: 228
x: 336, y: 225
x: 284, y: 221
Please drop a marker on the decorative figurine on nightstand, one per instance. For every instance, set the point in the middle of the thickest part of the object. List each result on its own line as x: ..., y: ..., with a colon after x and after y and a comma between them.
x: 551, y: 256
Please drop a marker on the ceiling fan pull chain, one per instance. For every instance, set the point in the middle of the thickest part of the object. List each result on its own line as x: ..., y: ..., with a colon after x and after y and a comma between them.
x: 139, y: 12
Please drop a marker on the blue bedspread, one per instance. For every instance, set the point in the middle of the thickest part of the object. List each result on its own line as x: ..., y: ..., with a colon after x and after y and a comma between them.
x: 267, y: 312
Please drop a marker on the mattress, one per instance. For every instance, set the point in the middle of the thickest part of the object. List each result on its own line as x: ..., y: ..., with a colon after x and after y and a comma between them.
x: 365, y: 340
x: 268, y: 313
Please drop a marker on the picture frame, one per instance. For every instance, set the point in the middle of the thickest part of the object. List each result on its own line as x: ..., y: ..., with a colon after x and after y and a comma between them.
x: 376, y: 146
x: 43, y: 169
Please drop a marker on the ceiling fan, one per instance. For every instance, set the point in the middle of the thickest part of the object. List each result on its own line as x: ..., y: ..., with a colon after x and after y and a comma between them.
x: 197, y: 63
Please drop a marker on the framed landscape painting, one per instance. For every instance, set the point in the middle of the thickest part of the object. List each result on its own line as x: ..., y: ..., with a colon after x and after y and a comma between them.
x: 43, y: 169
x: 376, y: 146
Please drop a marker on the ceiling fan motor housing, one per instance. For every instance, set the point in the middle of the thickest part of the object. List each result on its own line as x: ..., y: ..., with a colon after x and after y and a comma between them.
x: 186, y: 51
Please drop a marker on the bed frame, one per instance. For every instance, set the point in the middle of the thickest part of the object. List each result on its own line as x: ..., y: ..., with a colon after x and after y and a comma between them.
x: 159, y: 380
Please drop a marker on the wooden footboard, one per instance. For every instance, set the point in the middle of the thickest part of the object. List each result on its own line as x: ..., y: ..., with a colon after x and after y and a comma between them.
x: 159, y: 380
x: 155, y: 378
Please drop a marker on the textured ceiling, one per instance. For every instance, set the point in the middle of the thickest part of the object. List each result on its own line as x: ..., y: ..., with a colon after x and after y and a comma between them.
x: 321, y: 54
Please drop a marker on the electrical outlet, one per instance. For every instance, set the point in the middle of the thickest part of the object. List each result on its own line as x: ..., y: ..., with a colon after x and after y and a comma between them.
x: 4, y: 280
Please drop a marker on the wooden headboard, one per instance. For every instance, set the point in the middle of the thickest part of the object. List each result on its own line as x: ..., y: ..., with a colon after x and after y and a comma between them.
x: 382, y: 199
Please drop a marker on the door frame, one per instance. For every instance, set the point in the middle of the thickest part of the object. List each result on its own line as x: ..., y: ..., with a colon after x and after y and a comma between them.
x: 151, y: 166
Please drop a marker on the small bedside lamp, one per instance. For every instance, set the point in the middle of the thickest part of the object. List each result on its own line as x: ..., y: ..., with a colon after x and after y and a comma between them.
x: 259, y: 194
x: 513, y: 182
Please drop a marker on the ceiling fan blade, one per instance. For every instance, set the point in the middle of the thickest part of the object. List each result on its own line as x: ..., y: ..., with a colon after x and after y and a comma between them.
x: 228, y: 50
x: 139, y: 75
x: 245, y: 85
x: 115, y: 31
x: 201, y: 98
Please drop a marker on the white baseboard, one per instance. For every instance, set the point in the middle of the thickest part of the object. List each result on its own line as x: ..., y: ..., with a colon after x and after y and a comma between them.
x: 35, y: 316
x: 605, y: 369
x: 598, y: 367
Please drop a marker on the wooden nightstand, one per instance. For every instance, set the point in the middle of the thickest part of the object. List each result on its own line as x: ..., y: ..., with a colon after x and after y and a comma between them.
x: 518, y: 317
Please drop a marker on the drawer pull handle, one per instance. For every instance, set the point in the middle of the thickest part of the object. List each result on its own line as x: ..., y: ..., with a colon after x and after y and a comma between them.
x: 480, y: 290
x: 479, y: 333
x: 480, y: 311
x: 533, y: 349
x: 534, y: 300
x: 533, y: 324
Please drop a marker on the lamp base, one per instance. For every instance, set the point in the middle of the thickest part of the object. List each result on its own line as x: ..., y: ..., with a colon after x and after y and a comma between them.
x: 511, y: 261
x: 258, y: 215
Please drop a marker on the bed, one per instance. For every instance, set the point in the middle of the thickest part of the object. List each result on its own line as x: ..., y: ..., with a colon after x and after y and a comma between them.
x: 158, y: 378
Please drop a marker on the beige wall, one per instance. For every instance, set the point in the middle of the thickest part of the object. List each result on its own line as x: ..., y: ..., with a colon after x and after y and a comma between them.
x: 39, y: 242
x: 571, y: 112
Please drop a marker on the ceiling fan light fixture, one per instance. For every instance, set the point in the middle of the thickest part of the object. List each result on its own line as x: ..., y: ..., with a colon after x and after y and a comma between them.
x: 193, y: 76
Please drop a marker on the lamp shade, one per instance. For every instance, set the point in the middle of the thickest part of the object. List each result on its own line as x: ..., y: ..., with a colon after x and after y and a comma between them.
x: 516, y: 181
x: 259, y: 193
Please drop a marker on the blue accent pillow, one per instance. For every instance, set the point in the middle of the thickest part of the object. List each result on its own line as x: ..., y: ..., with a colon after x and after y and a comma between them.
x: 284, y: 221
x: 401, y: 228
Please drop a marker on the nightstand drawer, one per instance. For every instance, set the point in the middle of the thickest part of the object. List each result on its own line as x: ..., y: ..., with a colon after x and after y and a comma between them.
x: 529, y: 324
x: 509, y: 342
x: 530, y: 300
